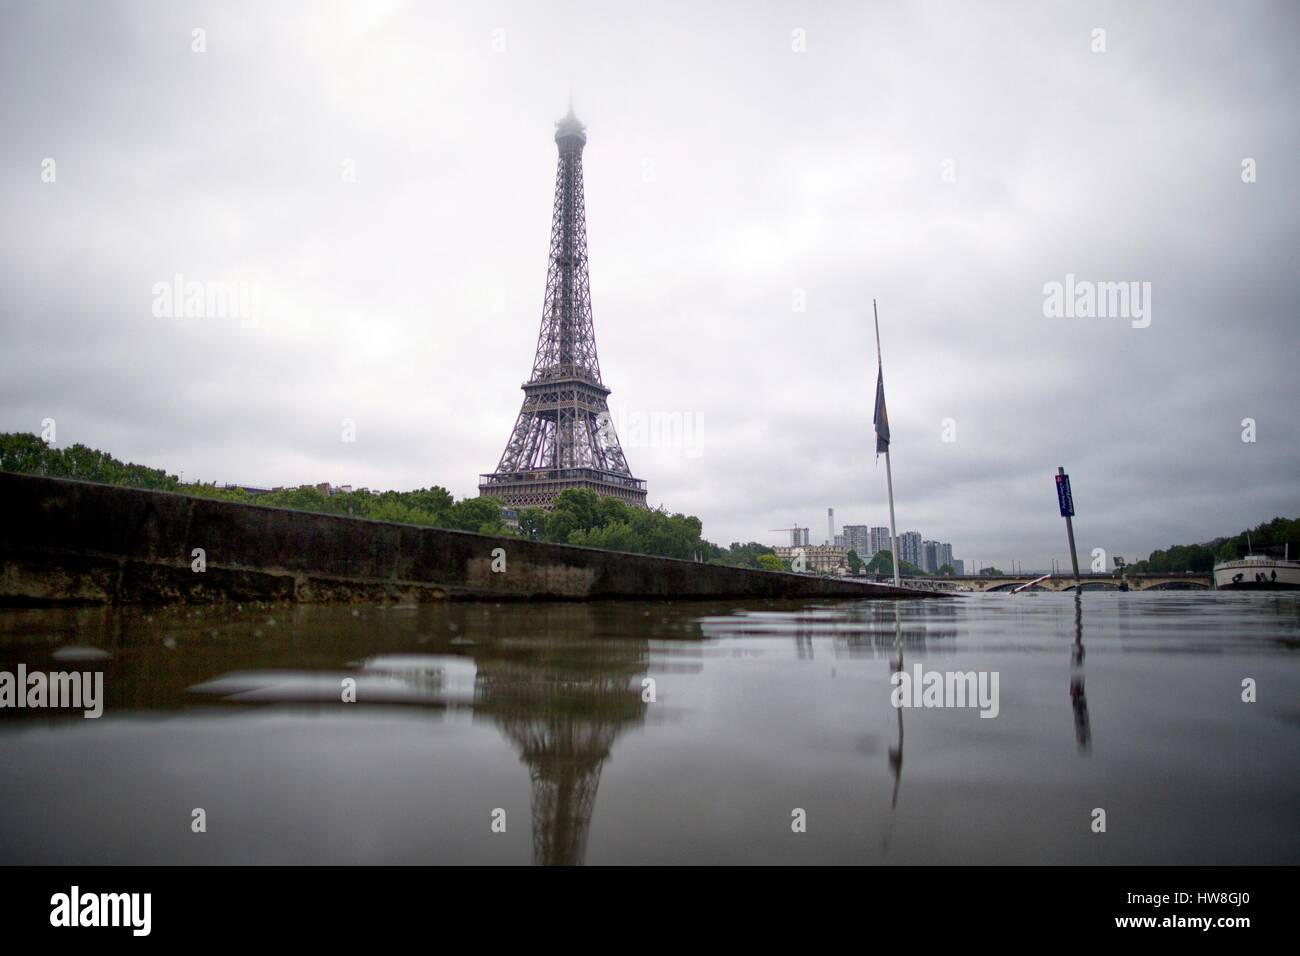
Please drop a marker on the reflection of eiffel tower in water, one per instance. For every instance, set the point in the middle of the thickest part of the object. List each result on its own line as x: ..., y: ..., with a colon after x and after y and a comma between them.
x: 563, y: 703
x: 564, y: 758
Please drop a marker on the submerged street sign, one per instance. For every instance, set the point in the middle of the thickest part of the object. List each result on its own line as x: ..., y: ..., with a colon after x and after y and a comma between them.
x: 1063, y: 496
x: 1066, y: 501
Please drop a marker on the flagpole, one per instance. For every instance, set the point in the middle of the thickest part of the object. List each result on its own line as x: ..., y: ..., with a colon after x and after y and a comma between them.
x: 889, y: 473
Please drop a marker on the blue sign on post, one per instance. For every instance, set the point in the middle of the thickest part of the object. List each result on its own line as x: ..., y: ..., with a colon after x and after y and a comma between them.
x: 1063, y: 496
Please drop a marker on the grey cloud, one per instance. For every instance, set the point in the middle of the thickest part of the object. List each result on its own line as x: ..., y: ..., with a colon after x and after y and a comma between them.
x: 772, y: 171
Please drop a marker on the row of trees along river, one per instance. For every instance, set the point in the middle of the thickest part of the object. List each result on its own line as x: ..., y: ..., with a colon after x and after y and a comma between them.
x: 579, y: 516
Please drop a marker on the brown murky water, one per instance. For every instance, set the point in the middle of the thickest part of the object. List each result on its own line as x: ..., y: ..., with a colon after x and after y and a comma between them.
x: 661, y: 733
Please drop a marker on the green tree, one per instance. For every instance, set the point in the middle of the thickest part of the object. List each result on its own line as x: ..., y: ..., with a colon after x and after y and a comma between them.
x: 744, y: 555
x: 1270, y: 536
x: 882, y: 562
x: 603, y: 522
x: 236, y: 495
x: 710, y: 552
x: 26, y: 453
x: 574, y: 509
x: 435, y: 501
x: 855, y: 563
x: 532, y: 524
x: 770, y: 562
x: 302, y: 498
x: 392, y: 509
x: 618, y: 536
x: 477, y: 514
x: 612, y: 511
x: 23, y: 452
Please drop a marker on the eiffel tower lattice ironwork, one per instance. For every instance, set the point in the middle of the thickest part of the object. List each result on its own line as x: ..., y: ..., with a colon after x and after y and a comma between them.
x: 564, y: 436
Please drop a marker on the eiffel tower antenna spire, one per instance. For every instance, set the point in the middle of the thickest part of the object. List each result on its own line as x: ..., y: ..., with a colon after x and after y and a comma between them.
x: 564, y: 436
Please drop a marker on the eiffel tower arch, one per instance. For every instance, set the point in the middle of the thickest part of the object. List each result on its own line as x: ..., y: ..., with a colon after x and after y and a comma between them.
x: 564, y: 436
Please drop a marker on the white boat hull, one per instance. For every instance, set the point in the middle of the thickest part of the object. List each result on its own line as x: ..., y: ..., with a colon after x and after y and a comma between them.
x: 1257, y: 574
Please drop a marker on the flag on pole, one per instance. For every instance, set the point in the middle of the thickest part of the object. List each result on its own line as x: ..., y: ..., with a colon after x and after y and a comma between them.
x: 881, y: 418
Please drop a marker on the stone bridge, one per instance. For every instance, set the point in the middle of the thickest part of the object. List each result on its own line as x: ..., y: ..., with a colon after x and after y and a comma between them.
x: 1173, y: 581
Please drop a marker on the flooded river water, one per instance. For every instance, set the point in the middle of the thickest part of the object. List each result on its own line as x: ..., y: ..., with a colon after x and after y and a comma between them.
x: 663, y: 733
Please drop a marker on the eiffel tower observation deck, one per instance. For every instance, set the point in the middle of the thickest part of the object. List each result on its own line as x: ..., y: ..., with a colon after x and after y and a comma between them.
x: 564, y: 436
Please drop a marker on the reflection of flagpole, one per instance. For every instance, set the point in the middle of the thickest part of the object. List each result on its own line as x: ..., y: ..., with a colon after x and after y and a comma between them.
x: 889, y: 474
x: 896, y: 758
x: 895, y: 753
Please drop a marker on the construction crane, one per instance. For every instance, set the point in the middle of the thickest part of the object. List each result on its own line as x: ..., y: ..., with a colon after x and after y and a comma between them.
x: 794, y: 541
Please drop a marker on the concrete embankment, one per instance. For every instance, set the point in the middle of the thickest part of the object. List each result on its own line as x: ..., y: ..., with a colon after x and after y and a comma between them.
x: 80, y: 543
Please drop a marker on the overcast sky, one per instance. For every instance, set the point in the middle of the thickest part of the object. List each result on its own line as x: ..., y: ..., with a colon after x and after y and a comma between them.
x: 743, y: 160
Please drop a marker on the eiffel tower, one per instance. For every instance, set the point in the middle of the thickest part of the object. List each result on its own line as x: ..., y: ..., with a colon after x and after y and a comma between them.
x: 564, y: 437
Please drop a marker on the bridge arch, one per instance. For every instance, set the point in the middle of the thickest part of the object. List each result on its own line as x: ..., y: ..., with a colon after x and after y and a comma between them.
x: 1175, y: 585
